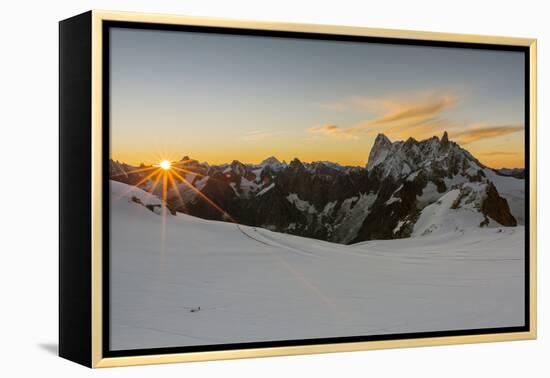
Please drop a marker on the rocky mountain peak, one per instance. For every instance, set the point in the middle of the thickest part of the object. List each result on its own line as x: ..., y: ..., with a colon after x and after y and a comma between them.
x: 399, y: 159
x: 272, y: 160
x: 238, y: 167
x: 382, y: 140
x: 379, y: 150
x: 325, y: 168
x: 296, y: 164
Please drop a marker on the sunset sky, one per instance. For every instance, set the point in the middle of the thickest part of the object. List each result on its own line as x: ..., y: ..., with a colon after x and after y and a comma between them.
x: 217, y: 98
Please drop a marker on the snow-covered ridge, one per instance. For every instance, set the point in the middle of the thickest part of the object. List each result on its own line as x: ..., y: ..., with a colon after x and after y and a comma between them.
x: 455, y: 211
x: 181, y: 280
x: 121, y: 191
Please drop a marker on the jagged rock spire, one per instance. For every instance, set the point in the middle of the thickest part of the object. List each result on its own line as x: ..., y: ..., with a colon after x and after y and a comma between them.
x: 400, y: 158
x: 381, y: 139
x: 379, y: 150
x: 445, y: 140
x: 445, y: 137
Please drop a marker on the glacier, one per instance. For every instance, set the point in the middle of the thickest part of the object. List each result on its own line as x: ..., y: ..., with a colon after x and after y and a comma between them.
x: 180, y: 280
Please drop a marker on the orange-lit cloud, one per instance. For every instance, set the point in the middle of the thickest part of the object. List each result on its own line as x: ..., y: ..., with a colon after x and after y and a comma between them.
x: 499, y: 153
x: 423, y: 110
x: 484, y: 132
x: 333, y: 130
x: 418, y: 113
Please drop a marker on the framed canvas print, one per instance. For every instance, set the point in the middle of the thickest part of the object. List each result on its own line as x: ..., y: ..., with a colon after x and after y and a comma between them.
x: 235, y: 189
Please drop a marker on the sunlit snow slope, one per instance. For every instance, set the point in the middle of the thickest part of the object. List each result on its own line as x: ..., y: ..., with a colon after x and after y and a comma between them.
x: 213, y: 282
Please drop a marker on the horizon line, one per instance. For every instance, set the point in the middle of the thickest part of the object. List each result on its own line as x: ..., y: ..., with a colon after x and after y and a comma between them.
x: 283, y: 161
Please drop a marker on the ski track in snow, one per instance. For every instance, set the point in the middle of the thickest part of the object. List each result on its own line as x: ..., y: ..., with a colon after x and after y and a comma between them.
x: 252, y: 284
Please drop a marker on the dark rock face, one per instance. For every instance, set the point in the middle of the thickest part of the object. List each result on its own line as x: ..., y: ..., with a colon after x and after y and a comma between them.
x: 331, y: 202
x: 496, y: 207
x: 217, y: 192
x: 271, y: 210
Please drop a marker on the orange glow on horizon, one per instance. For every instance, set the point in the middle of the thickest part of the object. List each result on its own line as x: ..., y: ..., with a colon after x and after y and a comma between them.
x: 495, y: 152
x: 493, y: 159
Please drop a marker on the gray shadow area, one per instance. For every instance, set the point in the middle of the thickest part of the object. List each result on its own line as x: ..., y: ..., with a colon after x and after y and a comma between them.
x: 51, y: 348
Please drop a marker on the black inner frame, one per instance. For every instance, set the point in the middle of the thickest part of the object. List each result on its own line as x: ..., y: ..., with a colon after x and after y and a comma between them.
x: 106, y: 25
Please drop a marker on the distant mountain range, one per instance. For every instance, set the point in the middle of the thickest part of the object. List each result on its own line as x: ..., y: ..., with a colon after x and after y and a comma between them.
x: 408, y: 188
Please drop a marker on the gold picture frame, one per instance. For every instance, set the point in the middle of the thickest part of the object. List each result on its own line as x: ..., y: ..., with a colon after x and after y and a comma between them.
x: 90, y: 331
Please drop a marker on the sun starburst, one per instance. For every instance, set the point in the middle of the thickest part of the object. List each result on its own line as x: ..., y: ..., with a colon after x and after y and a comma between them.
x: 165, y: 173
x: 165, y: 164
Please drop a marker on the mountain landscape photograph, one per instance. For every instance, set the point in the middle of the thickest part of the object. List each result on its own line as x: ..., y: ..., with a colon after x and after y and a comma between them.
x: 272, y: 189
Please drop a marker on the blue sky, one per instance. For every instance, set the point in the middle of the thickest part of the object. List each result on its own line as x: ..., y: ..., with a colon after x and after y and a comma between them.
x: 221, y: 97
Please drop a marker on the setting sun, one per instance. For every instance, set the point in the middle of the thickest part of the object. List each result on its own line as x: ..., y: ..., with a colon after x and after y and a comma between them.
x: 165, y: 164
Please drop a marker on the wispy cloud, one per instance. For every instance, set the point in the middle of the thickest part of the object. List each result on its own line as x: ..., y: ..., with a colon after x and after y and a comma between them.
x: 333, y: 130
x: 419, y: 114
x: 420, y: 111
x: 484, y: 131
x: 424, y: 110
x: 256, y: 135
